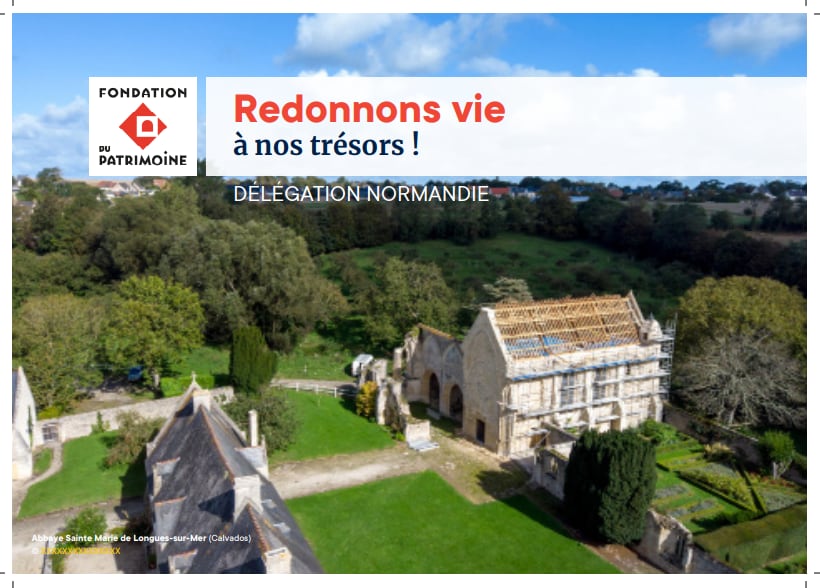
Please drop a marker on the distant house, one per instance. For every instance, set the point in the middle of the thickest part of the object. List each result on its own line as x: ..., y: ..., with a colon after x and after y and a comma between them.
x: 25, y: 435
x: 526, y: 192
x: 499, y: 192
x: 117, y: 189
x: 211, y: 499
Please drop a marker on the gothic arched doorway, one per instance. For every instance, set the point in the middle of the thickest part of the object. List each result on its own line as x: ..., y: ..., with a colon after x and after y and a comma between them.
x: 434, y: 392
x: 456, y: 404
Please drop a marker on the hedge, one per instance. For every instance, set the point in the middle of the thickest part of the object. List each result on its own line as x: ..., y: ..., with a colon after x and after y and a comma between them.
x: 732, y: 489
x: 751, y: 545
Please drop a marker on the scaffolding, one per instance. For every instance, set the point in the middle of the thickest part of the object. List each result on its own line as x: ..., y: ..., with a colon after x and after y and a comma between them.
x: 667, y: 352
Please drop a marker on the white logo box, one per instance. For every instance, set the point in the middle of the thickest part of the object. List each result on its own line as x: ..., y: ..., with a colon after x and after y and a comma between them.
x: 170, y: 151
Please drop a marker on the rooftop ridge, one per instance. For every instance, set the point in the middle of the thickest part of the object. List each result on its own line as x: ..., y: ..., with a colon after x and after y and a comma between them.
x: 436, y: 331
x: 264, y: 546
x: 206, y: 417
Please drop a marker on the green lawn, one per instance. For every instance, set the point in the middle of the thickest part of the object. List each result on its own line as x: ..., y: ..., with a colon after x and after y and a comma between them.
x: 316, y: 358
x: 419, y: 524
x: 42, y: 460
x: 83, y: 479
x: 211, y: 365
x: 330, y: 427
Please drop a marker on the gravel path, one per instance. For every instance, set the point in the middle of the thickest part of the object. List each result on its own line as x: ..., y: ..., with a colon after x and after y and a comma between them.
x: 20, y: 487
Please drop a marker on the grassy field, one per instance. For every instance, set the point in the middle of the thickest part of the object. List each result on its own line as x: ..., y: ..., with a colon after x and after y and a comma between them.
x: 316, y: 358
x: 211, y: 365
x: 330, y: 427
x: 551, y: 268
x: 83, y: 479
x: 419, y: 524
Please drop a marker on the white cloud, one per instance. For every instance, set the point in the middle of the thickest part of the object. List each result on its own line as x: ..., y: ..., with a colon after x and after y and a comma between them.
x: 376, y: 44
x: 57, y: 137
x: 323, y: 73
x: 645, y: 72
x: 591, y: 70
x: 401, y: 44
x: 498, y: 67
x: 761, y: 35
x: 325, y: 34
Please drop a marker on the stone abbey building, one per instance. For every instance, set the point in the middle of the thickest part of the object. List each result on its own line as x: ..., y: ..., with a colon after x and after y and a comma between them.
x: 527, y: 373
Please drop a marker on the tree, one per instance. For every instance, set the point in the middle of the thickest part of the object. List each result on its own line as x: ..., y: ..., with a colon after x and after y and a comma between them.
x: 252, y: 363
x: 507, y: 290
x: 407, y: 293
x: 721, y: 220
x: 678, y: 230
x: 597, y: 215
x: 743, y: 378
x: 278, y: 421
x: 136, y: 232
x: 632, y: 230
x: 742, y: 304
x: 152, y: 323
x: 738, y: 254
x: 55, y: 338
x: 610, y: 483
x: 791, y: 265
x: 556, y: 214
x: 134, y: 433
x: 778, y: 448
x: 252, y: 274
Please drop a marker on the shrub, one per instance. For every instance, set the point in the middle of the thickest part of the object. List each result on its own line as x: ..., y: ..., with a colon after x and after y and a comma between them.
x: 58, y: 561
x: 731, y: 487
x: 659, y: 433
x: 83, y: 527
x: 52, y: 412
x: 100, y: 426
x: 778, y: 448
x: 610, y: 483
x: 366, y: 400
x: 718, y: 452
x: 277, y: 417
x: 801, y: 463
x: 134, y: 433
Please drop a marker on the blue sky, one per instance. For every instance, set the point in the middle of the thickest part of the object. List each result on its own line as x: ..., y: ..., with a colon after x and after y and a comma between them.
x: 54, y: 54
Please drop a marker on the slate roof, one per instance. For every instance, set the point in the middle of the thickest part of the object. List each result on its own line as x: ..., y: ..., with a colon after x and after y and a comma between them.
x: 200, y: 455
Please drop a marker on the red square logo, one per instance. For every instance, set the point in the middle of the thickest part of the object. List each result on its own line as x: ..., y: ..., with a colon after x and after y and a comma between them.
x: 143, y: 126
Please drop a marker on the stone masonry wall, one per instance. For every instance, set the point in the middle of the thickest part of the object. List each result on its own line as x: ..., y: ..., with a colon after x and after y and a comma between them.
x: 80, y: 425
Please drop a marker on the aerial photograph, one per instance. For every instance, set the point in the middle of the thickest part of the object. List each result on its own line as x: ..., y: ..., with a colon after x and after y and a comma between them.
x: 302, y: 374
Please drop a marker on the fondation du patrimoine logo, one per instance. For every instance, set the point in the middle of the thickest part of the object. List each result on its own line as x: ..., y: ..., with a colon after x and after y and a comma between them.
x: 143, y: 126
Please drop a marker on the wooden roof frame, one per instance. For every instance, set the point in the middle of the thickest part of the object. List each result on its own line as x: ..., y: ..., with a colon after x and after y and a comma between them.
x: 552, y: 327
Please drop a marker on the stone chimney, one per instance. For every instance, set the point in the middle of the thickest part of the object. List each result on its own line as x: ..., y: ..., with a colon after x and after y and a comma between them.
x: 246, y: 489
x: 253, y: 428
x: 278, y: 561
